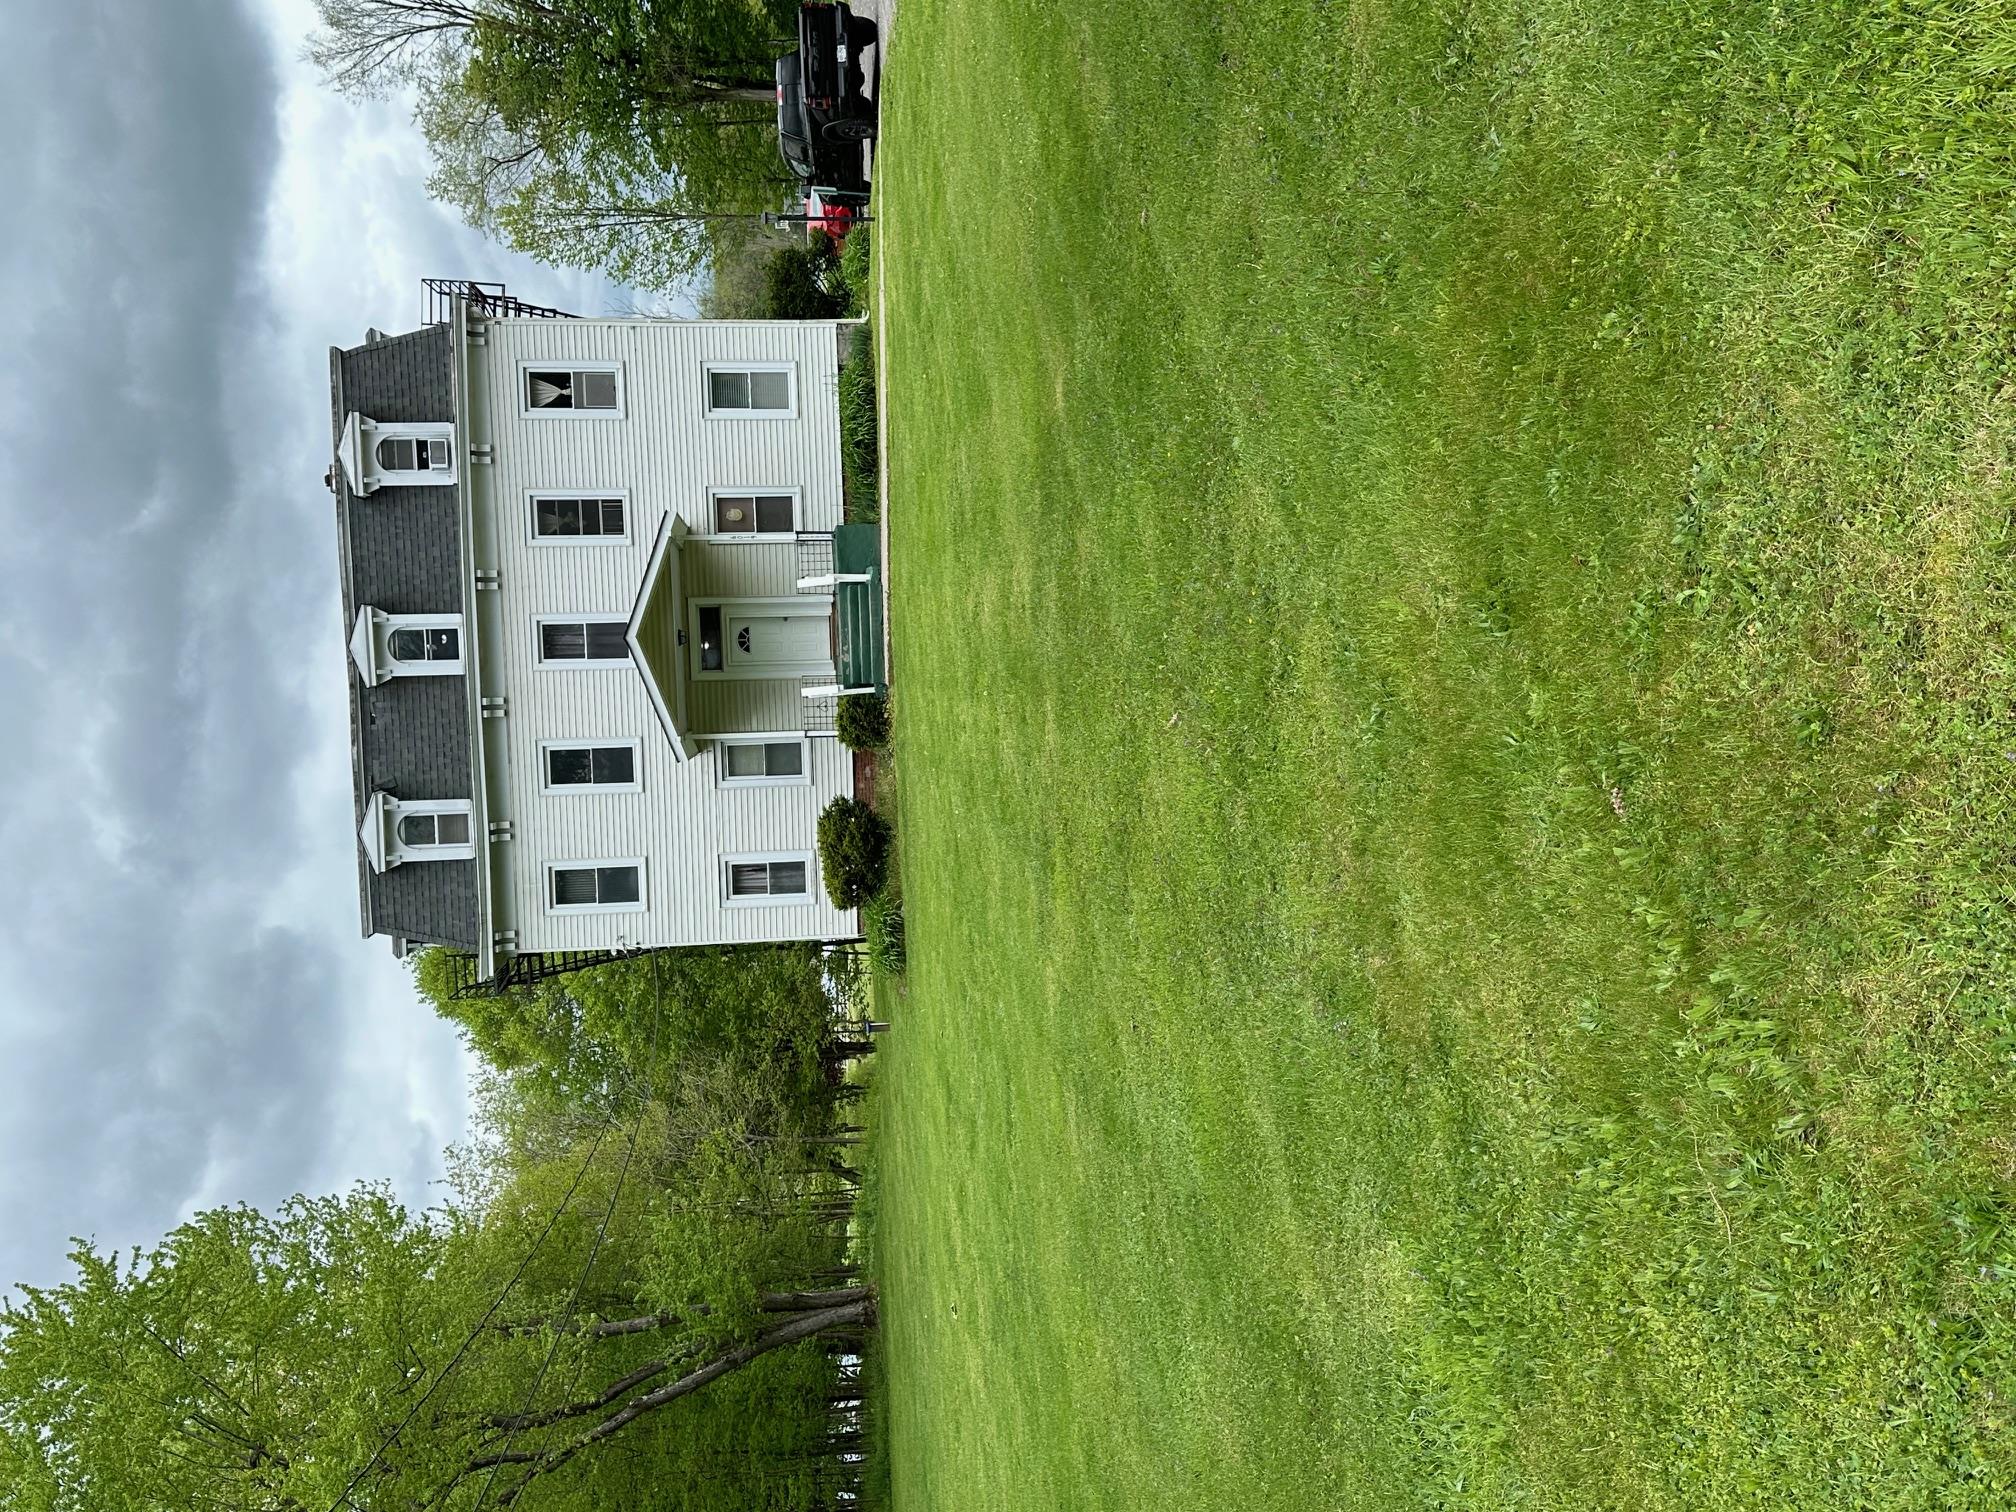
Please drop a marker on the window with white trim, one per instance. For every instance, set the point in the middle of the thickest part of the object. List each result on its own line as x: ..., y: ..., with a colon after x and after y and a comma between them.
x: 596, y: 887
x: 769, y: 879
x: 401, y: 830
x: 577, y: 388
x: 763, y: 390
x: 396, y: 453
x: 590, y: 767
x: 413, y: 645
x: 567, y: 517
x: 405, y: 645
x: 584, y: 641
x: 753, y: 516
x: 413, y: 454
x: 763, y: 763
x: 432, y: 831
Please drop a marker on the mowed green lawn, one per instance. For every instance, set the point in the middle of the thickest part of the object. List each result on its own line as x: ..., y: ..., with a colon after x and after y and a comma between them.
x: 1457, y: 728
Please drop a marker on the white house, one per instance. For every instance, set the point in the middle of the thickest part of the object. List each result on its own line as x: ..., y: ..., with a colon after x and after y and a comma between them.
x: 596, y: 628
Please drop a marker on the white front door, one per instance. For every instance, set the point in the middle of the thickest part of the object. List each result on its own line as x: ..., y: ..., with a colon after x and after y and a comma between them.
x: 764, y: 641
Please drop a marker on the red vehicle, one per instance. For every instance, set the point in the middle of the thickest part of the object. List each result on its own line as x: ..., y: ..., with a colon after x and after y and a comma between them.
x: 835, y: 219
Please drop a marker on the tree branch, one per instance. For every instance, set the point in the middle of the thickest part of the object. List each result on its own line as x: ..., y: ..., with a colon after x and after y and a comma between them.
x: 544, y: 1462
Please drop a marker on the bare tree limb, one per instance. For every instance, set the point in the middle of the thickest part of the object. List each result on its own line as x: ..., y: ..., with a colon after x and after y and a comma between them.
x: 545, y: 1462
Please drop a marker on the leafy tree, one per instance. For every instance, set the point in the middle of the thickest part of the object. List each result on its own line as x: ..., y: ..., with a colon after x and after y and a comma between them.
x: 802, y: 281
x: 344, y: 1347
x: 648, y: 54
x: 738, y: 271
x: 607, y: 133
x: 595, y: 1037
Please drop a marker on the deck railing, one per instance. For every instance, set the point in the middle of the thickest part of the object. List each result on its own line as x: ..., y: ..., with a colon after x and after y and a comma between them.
x: 489, y: 298
x: 524, y: 970
x: 815, y: 559
x: 821, y: 711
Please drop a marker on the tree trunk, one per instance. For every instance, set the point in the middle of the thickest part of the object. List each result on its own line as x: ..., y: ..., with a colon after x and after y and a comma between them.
x: 804, y: 1326
x: 812, y: 1301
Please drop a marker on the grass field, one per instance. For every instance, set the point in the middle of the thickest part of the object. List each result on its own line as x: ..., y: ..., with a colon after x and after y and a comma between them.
x: 1457, y: 723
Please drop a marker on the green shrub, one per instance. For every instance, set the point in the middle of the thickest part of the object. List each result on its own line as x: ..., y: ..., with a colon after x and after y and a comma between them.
x: 801, y: 281
x: 857, y: 272
x: 859, y: 449
x: 862, y: 722
x: 882, y: 922
x: 853, y: 851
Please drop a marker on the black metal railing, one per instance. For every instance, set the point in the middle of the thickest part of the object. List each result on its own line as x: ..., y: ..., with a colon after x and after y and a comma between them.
x: 815, y: 559
x: 821, y: 710
x: 488, y: 298
x: 524, y: 970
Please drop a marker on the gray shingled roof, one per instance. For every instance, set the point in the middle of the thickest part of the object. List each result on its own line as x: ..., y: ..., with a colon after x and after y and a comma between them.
x: 401, y: 553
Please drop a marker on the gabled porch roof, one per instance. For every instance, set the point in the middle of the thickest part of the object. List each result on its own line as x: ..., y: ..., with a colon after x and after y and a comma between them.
x: 653, y: 635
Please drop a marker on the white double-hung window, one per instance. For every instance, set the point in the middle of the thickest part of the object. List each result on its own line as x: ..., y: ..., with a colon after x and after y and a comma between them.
x: 751, y: 390
x: 600, y: 518
x: 773, y: 761
x: 584, y: 766
x: 571, y: 388
x: 768, y: 881
x: 595, y: 887
x: 584, y: 640
x: 754, y: 514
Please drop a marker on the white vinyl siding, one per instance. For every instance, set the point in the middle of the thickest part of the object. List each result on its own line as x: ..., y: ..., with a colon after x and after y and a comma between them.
x: 666, y: 457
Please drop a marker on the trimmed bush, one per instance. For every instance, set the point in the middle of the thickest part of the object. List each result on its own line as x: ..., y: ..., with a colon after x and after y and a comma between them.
x: 862, y: 722
x: 882, y: 922
x: 853, y: 851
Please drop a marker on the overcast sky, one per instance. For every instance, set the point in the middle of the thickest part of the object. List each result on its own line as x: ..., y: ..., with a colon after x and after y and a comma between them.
x: 187, y: 1014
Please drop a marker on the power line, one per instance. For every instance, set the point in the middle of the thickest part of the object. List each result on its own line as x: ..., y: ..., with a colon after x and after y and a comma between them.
x: 595, y: 1249
x: 609, y: 1120
x: 343, y: 1496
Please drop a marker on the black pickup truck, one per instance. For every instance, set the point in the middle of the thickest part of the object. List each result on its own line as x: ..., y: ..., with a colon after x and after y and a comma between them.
x: 824, y: 113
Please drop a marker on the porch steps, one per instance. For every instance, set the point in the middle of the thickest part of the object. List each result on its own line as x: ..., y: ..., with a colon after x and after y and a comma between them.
x: 857, y: 607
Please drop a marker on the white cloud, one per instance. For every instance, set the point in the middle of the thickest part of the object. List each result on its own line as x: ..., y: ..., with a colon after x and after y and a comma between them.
x: 186, y: 1008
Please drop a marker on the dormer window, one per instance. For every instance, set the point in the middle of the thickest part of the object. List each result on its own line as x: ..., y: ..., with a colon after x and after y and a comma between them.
x: 431, y: 832
x: 410, y: 645
x: 385, y: 646
x: 413, y: 454
x: 398, y: 830
x: 377, y: 454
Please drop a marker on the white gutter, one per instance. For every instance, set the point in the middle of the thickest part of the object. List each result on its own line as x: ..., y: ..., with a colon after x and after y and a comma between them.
x: 472, y: 680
